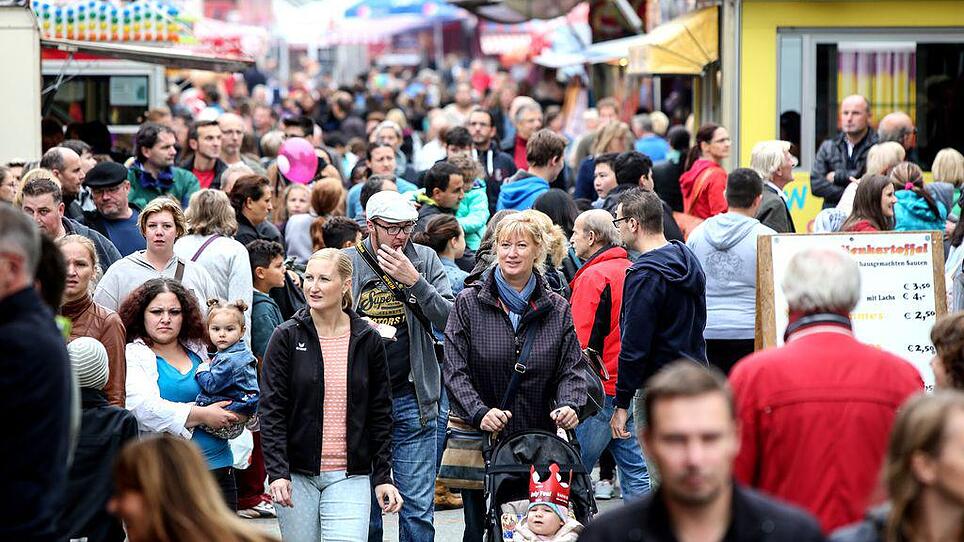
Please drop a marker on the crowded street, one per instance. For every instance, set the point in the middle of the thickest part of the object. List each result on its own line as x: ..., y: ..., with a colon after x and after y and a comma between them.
x: 497, y: 271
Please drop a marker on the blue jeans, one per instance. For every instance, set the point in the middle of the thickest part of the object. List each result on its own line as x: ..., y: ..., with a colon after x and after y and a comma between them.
x: 330, y: 507
x: 443, y: 422
x: 594, y: 436
x: 413, y: 468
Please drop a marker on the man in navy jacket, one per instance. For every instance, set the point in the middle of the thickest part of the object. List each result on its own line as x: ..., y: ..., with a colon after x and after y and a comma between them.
x: 35, y: 391
x: 664, y: 301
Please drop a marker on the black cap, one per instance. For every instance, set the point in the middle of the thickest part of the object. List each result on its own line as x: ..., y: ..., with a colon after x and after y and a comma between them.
x: 105, y: 175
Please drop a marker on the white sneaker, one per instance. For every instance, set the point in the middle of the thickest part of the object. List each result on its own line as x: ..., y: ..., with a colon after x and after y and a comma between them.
x: 603, y: 490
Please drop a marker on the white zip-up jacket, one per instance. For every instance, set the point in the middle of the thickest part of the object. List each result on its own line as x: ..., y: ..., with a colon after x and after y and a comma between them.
x: 131, y: 271
x: 153, y: 413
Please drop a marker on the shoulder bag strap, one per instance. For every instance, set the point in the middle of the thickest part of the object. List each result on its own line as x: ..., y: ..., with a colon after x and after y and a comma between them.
x: 698, y: 187
x: 522, y: 359
x: 396, y: 289
x: 204, y: 246
x: 179, y: 272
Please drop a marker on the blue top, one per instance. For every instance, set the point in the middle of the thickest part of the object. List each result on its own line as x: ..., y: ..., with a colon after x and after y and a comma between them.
x: 653, y: 146
x: 182, y: 388
x: 911, y: 213
x: 586, y: 180
x: 455, y: 274
x: 354, y: 195
x: 125, y: 234
x: 520, y: 194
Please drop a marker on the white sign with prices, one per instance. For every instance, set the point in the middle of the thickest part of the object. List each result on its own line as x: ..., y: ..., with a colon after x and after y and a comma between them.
x: 899, y: 288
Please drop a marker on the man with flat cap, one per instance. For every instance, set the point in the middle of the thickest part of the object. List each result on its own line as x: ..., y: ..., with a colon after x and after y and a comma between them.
x: 115, y: 217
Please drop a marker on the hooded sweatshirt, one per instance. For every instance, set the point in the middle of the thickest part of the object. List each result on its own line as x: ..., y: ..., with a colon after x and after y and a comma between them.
x: 664, y: 313
x: 726, y: 248
x: 521, y: 191
x: 913, y: 214
x: 131, y: 271
x: 710, y: 200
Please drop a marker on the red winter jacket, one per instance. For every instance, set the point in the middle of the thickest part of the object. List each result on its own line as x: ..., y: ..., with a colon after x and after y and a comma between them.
x: 816, y: 416
x: 597, y: 296
x: 710, y: 201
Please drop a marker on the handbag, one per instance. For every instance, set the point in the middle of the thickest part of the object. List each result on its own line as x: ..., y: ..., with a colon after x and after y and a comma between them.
x: 593, y: 371
x: 687, y: 221
x: 463, y: 464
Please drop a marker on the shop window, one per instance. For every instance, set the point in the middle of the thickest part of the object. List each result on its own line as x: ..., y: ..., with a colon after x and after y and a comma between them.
x: 111, y: 99
x: 919, y: 72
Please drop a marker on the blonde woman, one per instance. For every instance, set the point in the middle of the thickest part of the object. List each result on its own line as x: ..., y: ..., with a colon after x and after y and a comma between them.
x: 948, y: 167
x: 881, y: 159
x: 209, y: 243
x: 512, y: 309
x: 556, y: 247
x: 88, y: 319
x: 164, y: 493
x: 327, y: 347
x: 614, y: 137
x: 161, y: 223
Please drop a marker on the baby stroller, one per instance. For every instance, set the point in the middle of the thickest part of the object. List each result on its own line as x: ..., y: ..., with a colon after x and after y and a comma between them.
x: 507, y: 475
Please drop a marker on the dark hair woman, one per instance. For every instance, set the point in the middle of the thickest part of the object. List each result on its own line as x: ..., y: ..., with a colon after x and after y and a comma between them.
x: 444, y: 235
x: 252, y: 201
x: 704, y: 181
x: 873, y: 205
x: 166, y: 343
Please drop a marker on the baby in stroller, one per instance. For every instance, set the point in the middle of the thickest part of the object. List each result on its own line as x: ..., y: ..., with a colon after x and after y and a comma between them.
x: 548, y: 517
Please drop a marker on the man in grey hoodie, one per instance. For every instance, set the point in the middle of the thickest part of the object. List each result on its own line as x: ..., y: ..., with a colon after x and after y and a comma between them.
x: 725, y: 244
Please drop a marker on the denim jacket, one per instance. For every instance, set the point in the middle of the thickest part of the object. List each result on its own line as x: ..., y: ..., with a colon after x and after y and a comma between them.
x: 232, y: 376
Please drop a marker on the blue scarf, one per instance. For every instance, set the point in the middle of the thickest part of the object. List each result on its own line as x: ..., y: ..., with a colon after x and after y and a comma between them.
x: 163, y: 182
x: 517, y: 302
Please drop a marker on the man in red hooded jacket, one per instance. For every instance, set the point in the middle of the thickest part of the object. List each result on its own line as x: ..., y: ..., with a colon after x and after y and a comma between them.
x: 816, y: 412
x: 597, y: 297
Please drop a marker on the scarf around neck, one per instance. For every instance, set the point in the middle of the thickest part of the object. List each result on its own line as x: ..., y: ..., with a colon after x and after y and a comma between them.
x: 517, y: 302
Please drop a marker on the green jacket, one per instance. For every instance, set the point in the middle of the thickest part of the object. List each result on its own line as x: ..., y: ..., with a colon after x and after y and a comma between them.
x: 180, y: 186
x: 473, y: 214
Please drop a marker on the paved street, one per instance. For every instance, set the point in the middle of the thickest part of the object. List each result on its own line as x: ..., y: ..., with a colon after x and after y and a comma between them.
x: 448, y: 524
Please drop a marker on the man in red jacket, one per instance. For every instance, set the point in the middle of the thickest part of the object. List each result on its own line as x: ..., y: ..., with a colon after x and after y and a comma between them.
x: 597, y: 297
x: 816, y: 413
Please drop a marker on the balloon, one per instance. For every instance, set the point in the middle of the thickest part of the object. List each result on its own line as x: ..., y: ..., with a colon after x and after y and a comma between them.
x: 297, y: 160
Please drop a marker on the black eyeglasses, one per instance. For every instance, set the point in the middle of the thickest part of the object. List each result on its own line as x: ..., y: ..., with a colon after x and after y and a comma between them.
x: 395, y: 229
x: 616, y: 221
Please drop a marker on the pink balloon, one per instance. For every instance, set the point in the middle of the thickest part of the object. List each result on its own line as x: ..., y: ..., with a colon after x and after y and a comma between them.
x: 297, y: 160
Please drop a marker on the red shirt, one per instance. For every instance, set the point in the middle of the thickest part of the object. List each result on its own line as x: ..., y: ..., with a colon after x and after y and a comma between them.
x: 816, y: 416
x: 710, y: 200
x: 204, y: 177
x: 861, y: 225
x: 519, y: 153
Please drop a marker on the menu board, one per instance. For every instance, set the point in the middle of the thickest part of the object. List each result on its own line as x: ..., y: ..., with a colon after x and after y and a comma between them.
x: 901, y: 289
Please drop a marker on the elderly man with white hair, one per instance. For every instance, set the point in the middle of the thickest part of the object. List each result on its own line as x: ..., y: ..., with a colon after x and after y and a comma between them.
x: 773, y: 161
x: 597, y: 299
x: 816, y: 412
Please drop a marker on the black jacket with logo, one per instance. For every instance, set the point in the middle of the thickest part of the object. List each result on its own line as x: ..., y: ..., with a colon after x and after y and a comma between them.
x: 293, y: 395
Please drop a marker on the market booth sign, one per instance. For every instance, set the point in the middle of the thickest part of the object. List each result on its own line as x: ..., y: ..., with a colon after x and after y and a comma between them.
x: 682, y: 46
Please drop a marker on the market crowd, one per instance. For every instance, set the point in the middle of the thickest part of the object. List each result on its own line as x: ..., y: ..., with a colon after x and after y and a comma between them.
x: 193, y: 333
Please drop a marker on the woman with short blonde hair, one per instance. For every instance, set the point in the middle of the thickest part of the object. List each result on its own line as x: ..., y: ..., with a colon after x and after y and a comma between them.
x: 948, y: 167
x: 511, y: 311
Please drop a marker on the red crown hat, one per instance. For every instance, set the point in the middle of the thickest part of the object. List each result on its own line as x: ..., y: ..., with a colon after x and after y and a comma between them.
x: 553, y: 490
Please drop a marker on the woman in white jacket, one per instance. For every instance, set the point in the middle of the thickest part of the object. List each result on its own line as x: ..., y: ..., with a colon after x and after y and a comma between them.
x: 210, y: 243
x: 166, y: 345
